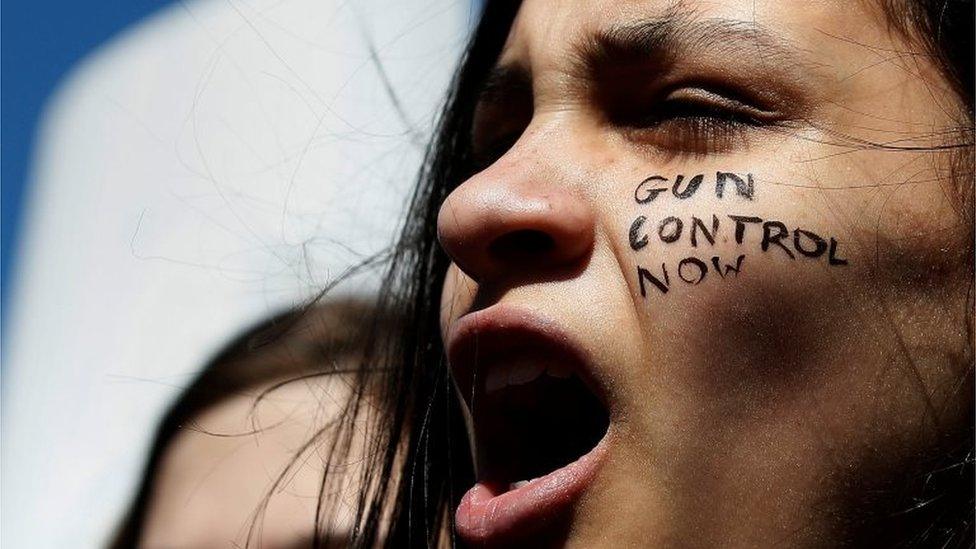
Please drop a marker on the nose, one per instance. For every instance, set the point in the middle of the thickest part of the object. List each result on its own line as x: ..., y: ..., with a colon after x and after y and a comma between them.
x: 495, y: 226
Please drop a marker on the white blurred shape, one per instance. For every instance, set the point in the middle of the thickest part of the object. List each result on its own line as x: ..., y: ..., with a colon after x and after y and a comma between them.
x: 218, y: 163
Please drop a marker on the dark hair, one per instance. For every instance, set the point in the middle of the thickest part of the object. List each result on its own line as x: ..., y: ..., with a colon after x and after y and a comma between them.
x: 416, y: 438
x: 944, y: 30
x: 291, y: 346
x: 420, y: 449
x: 933, y: 504
x: 421, y: 455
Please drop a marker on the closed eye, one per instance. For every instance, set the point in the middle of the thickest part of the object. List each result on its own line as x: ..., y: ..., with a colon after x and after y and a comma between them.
x: 486, y: 151
x: 503, y: 111
x: 696, y: 121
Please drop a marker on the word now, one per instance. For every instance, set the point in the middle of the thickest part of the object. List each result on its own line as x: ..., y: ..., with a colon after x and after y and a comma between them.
x: 690, y: 270
x: 774, y: 234
x: 653, y: 186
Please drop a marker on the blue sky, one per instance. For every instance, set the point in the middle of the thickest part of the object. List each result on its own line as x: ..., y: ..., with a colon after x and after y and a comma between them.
x: 40, y: 40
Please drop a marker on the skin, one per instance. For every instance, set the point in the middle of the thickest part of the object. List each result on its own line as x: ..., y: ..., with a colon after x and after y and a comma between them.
x: 753, y: 411
x: 247, y: 468
x: 215, y: 476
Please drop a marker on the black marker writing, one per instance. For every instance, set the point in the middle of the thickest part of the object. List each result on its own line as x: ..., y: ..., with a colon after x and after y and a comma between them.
x: 691, y: 270
x: 698, y: 225
x: 744, y: 188
x: 652, y: 187
x: 670, y: 229
x: 775, y: 235
x: 819, y: 246
x: 706, y: 231
x: 728, y: 268
x: 770, y: 237
x: 690, y: 189
x: 643, y: 274
x: 740, y: 225
x: 700, y: 265
x: 636, y: 241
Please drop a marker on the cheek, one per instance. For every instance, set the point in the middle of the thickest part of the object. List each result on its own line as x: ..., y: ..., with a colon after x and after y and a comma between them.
x: 798, y: 338
x: 737, y: 282
x: 761, y: 342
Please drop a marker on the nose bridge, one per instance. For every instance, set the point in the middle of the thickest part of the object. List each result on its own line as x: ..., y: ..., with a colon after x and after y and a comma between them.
x: 526, y: 213
x: 548, y: 157
x: 537, y: 164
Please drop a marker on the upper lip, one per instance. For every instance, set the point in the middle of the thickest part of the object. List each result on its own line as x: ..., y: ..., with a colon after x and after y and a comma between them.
x: 478, y: 339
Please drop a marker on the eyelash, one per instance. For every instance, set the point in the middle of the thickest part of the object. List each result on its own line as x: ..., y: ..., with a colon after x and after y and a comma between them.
x: 693, y: 126
x: 711, y: 125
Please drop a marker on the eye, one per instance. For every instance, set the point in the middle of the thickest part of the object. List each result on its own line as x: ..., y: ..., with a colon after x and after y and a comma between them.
x: 697, y: 121
x: 486, y: 151
x: 495, y: 129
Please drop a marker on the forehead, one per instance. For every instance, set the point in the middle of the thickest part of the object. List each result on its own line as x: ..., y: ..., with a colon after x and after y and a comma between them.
x: 550, y: 32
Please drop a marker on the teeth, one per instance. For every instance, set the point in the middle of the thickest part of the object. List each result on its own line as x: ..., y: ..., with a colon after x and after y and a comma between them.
x: 521, y: 373
x: 517, y: 485
x: 518, y: 373
x: 560, y: 370
x: 497, y: 379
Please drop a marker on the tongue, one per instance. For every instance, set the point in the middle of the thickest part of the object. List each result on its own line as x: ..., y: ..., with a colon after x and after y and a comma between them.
x: 489, y: 515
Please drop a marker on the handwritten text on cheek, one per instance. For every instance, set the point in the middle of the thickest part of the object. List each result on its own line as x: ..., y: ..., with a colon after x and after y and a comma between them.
x: 747, y: 231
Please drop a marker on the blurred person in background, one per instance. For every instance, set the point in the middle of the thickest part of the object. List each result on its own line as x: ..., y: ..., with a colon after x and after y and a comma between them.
x: 243, y: 425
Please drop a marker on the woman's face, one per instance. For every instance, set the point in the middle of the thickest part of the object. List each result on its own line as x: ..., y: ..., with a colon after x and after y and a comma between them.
x: 728, y: 222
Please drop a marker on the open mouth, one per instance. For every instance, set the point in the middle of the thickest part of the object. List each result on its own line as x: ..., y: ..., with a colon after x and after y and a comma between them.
x: 535, y: 416
x: 540, y: 427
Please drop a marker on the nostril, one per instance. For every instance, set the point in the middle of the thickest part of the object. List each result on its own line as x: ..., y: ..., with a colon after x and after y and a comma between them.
x: 521, y: 245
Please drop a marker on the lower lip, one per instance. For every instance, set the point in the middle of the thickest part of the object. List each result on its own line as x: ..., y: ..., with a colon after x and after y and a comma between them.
x: 488, y: 515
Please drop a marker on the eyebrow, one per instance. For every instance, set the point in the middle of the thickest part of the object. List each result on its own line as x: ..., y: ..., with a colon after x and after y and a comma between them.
x: 657, y: 39
x: 665, y: 36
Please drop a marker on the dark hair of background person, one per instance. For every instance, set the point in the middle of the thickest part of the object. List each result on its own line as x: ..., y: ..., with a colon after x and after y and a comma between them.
x: 289, y: 347
x: 416, y: 438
